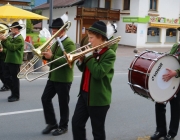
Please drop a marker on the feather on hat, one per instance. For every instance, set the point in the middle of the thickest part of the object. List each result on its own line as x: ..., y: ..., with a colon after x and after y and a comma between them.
x: 111, y: 29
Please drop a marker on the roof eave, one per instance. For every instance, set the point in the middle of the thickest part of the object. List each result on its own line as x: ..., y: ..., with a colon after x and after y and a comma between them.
x: 64, y: 6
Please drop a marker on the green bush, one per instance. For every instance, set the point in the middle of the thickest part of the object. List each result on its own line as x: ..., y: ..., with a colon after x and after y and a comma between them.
x: 29, y: 26
x: 37, y: 44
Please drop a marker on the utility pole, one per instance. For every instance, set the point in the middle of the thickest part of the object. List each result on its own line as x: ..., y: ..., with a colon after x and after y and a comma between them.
x: 50, y: 14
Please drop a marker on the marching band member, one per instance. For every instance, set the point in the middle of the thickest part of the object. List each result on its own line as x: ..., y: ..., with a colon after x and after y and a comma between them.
x: 2, y: 70
x: 14, y: 56
x: 2, y: 67
x: 95, y: 89
x: 59, y: 81
x: 160, y: 109
x: 111, y: 29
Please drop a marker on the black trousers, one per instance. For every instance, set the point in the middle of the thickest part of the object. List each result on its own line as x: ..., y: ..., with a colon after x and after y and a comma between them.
x: 11, y: 71
x: 62, y: 90
x: 175, y: 116
x: 82, y: 112
x: 2, y: 70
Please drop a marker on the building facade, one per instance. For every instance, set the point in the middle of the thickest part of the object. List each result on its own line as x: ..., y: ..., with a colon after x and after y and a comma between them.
x: 142, y: 23
x: 148, y: 23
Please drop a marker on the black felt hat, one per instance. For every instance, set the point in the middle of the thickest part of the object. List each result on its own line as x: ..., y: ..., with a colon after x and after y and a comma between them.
x: 178, y: 28
x: 99, y: 27
x: 57, y: 24
x: 16, y: 24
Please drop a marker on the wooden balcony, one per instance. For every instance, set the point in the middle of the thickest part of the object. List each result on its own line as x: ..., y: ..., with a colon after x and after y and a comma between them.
x: 98, y: 13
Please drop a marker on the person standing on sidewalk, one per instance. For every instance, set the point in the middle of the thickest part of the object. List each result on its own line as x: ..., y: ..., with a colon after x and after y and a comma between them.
x: 14, y: 57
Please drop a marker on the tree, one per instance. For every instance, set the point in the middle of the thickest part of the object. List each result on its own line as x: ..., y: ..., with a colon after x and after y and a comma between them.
x: 29, y: 26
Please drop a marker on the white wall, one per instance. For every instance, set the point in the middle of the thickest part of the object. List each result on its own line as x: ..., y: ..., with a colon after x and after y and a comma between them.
x: 126, y: 38
x: 140, y: 8
x: 164, y: 10
x: 58, y: 13
x: 102, y: 3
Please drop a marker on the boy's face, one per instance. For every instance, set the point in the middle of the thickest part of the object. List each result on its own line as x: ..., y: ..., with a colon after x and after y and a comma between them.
x: 94, y: 40
x: 14, y: 31
x: 55, y: 30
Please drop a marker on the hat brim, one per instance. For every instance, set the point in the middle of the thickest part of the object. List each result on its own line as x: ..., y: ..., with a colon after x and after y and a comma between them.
x: 19, y: 27
x: 55, y: 27
x: 97, y: 31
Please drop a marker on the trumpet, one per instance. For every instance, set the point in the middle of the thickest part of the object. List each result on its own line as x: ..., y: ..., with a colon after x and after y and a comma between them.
x: 5, y: 30
x: 37, y: 52
x: 74, y: 55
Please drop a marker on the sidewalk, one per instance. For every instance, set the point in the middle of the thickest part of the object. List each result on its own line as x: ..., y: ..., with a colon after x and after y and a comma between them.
x: 129, y: 50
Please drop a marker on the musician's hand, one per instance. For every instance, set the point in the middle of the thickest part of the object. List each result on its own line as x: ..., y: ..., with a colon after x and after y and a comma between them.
x: 2, y: 37
x: 81, y: 59
x: 47, y: 55
x: 169, y: 75
x: 1, y: 49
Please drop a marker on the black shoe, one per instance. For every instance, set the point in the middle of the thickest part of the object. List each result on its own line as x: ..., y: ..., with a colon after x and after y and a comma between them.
x: 13, y: 99
x: 59, y: 131
x: 168, y: 137
x: 10, y: 97
x: 49, y: 128
x: 4, y: 88
x: 157, y: 135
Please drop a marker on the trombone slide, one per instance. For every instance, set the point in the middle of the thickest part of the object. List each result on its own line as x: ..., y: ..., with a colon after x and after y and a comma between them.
x: 72, y: 56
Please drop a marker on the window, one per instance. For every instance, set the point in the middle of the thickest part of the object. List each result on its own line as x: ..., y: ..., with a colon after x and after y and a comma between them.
x: 171, y: 35
x: 108, y: 4
x: 91, y: 3
x: 126, y: 5
x: 153, y: 5
x: 153, y: 35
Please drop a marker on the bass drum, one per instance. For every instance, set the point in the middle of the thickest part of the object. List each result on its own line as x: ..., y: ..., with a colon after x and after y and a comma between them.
x: 145, y: 76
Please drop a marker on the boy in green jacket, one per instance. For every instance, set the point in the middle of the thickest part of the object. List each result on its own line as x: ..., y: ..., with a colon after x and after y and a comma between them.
x: 59, y: 81
x: 95, y: 89
x: 14, y: 56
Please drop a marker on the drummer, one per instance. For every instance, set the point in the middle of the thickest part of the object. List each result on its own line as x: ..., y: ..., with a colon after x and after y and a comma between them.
x: 160, y: 109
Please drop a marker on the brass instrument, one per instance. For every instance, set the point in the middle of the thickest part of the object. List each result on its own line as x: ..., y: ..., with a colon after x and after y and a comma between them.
x: 37, y: 52
x: 74, y: 55
x: 5, y: 30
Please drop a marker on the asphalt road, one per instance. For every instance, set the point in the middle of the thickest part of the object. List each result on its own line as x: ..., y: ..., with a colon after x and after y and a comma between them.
x: 130, y: 116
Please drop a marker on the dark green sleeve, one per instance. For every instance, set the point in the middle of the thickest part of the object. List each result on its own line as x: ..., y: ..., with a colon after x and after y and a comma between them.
x: 100, y: 69
x: 70, y: 46
x: 13, y: 45
x: 174, y: 48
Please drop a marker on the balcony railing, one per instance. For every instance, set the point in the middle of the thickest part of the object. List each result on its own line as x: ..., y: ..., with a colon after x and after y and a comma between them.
x: 98, y: 13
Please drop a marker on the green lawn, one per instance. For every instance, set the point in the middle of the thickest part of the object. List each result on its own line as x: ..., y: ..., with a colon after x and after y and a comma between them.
x: 33, y: 34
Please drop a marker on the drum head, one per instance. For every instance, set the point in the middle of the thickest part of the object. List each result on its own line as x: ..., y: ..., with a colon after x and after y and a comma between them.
x: 160, y: 90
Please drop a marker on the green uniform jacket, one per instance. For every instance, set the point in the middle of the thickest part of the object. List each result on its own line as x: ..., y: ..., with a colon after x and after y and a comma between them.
x: 173, y: 51
x: 65, y: 73
x: 14, y: 49
x: 114, y: 46
x: 102, y: 72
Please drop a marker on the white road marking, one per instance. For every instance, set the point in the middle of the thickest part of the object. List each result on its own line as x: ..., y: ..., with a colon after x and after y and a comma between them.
x: 20, y: 112
x: 40, y: 109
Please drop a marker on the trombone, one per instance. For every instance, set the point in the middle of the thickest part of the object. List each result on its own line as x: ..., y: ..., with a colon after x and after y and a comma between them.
x: 37, y: 52
x: 72, y: 56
